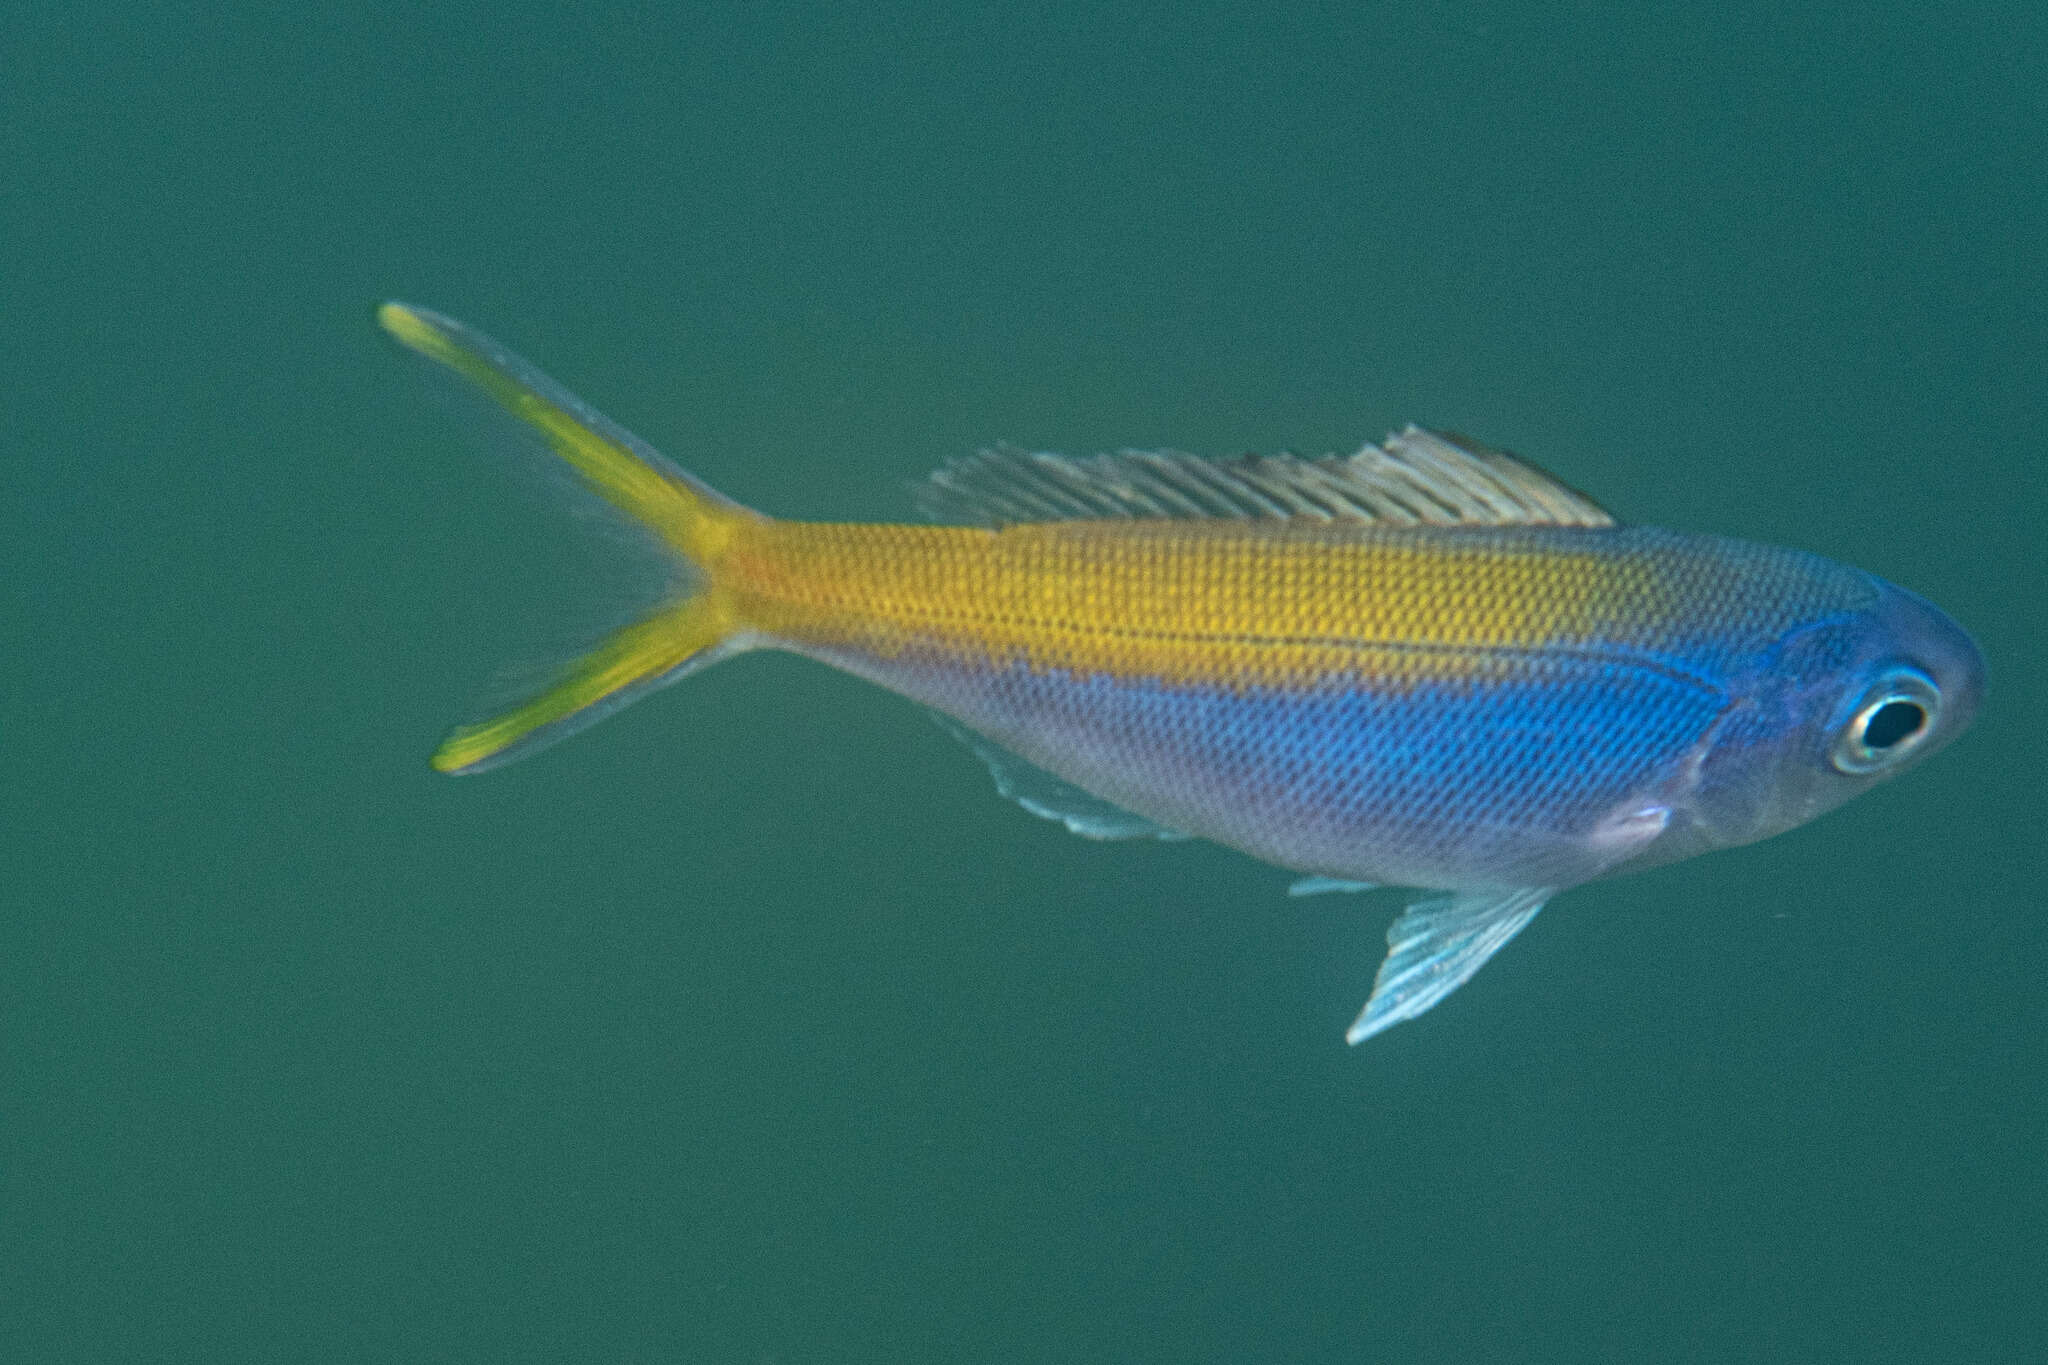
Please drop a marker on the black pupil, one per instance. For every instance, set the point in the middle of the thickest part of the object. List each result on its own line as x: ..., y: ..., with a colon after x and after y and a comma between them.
x: 1892, y: 722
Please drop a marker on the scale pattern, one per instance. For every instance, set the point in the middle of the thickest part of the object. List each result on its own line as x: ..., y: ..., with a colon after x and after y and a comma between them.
x: 1423, y: 706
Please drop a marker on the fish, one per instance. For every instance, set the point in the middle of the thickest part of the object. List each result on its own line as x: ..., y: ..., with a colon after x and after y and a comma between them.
x: 1429, y: 664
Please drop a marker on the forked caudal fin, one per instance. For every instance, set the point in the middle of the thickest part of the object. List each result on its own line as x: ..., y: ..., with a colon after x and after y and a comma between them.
x: 684, y: 515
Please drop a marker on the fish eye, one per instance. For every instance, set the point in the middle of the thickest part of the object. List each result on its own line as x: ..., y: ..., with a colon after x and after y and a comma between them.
x: 1889, y: 722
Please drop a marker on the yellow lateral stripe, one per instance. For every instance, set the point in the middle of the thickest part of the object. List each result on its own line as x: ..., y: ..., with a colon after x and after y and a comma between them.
x: 616, y: 473
x: 636, y: 655
x: 1191, y: 602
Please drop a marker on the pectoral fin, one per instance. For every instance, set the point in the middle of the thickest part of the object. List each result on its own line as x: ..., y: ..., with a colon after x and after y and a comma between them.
x: 1434, y: 947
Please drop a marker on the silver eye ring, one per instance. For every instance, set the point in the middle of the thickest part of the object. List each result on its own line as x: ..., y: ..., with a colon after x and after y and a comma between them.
x: 1891, y: 721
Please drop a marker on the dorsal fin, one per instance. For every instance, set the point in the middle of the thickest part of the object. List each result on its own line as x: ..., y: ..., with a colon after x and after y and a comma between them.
x: 1414, y: 477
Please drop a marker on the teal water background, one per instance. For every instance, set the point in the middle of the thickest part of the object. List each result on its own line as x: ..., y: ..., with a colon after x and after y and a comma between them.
x: 752, y: 1025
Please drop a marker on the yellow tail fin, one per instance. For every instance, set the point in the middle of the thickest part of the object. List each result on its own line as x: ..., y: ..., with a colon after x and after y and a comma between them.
x: 691, y: 519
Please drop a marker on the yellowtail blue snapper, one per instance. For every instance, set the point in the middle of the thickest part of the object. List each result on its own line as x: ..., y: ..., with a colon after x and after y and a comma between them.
x: 1428, y: 664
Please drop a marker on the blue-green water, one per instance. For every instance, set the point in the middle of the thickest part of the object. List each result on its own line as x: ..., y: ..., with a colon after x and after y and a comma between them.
x: 752, y: 1026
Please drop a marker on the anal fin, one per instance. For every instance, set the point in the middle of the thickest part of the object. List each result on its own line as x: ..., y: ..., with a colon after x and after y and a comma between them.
x: 1435, y: 946
x: 1054, y: 798
x: 1316, y: 886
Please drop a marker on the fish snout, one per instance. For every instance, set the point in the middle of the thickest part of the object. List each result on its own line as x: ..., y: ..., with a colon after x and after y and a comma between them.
x: 1922, y: 697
